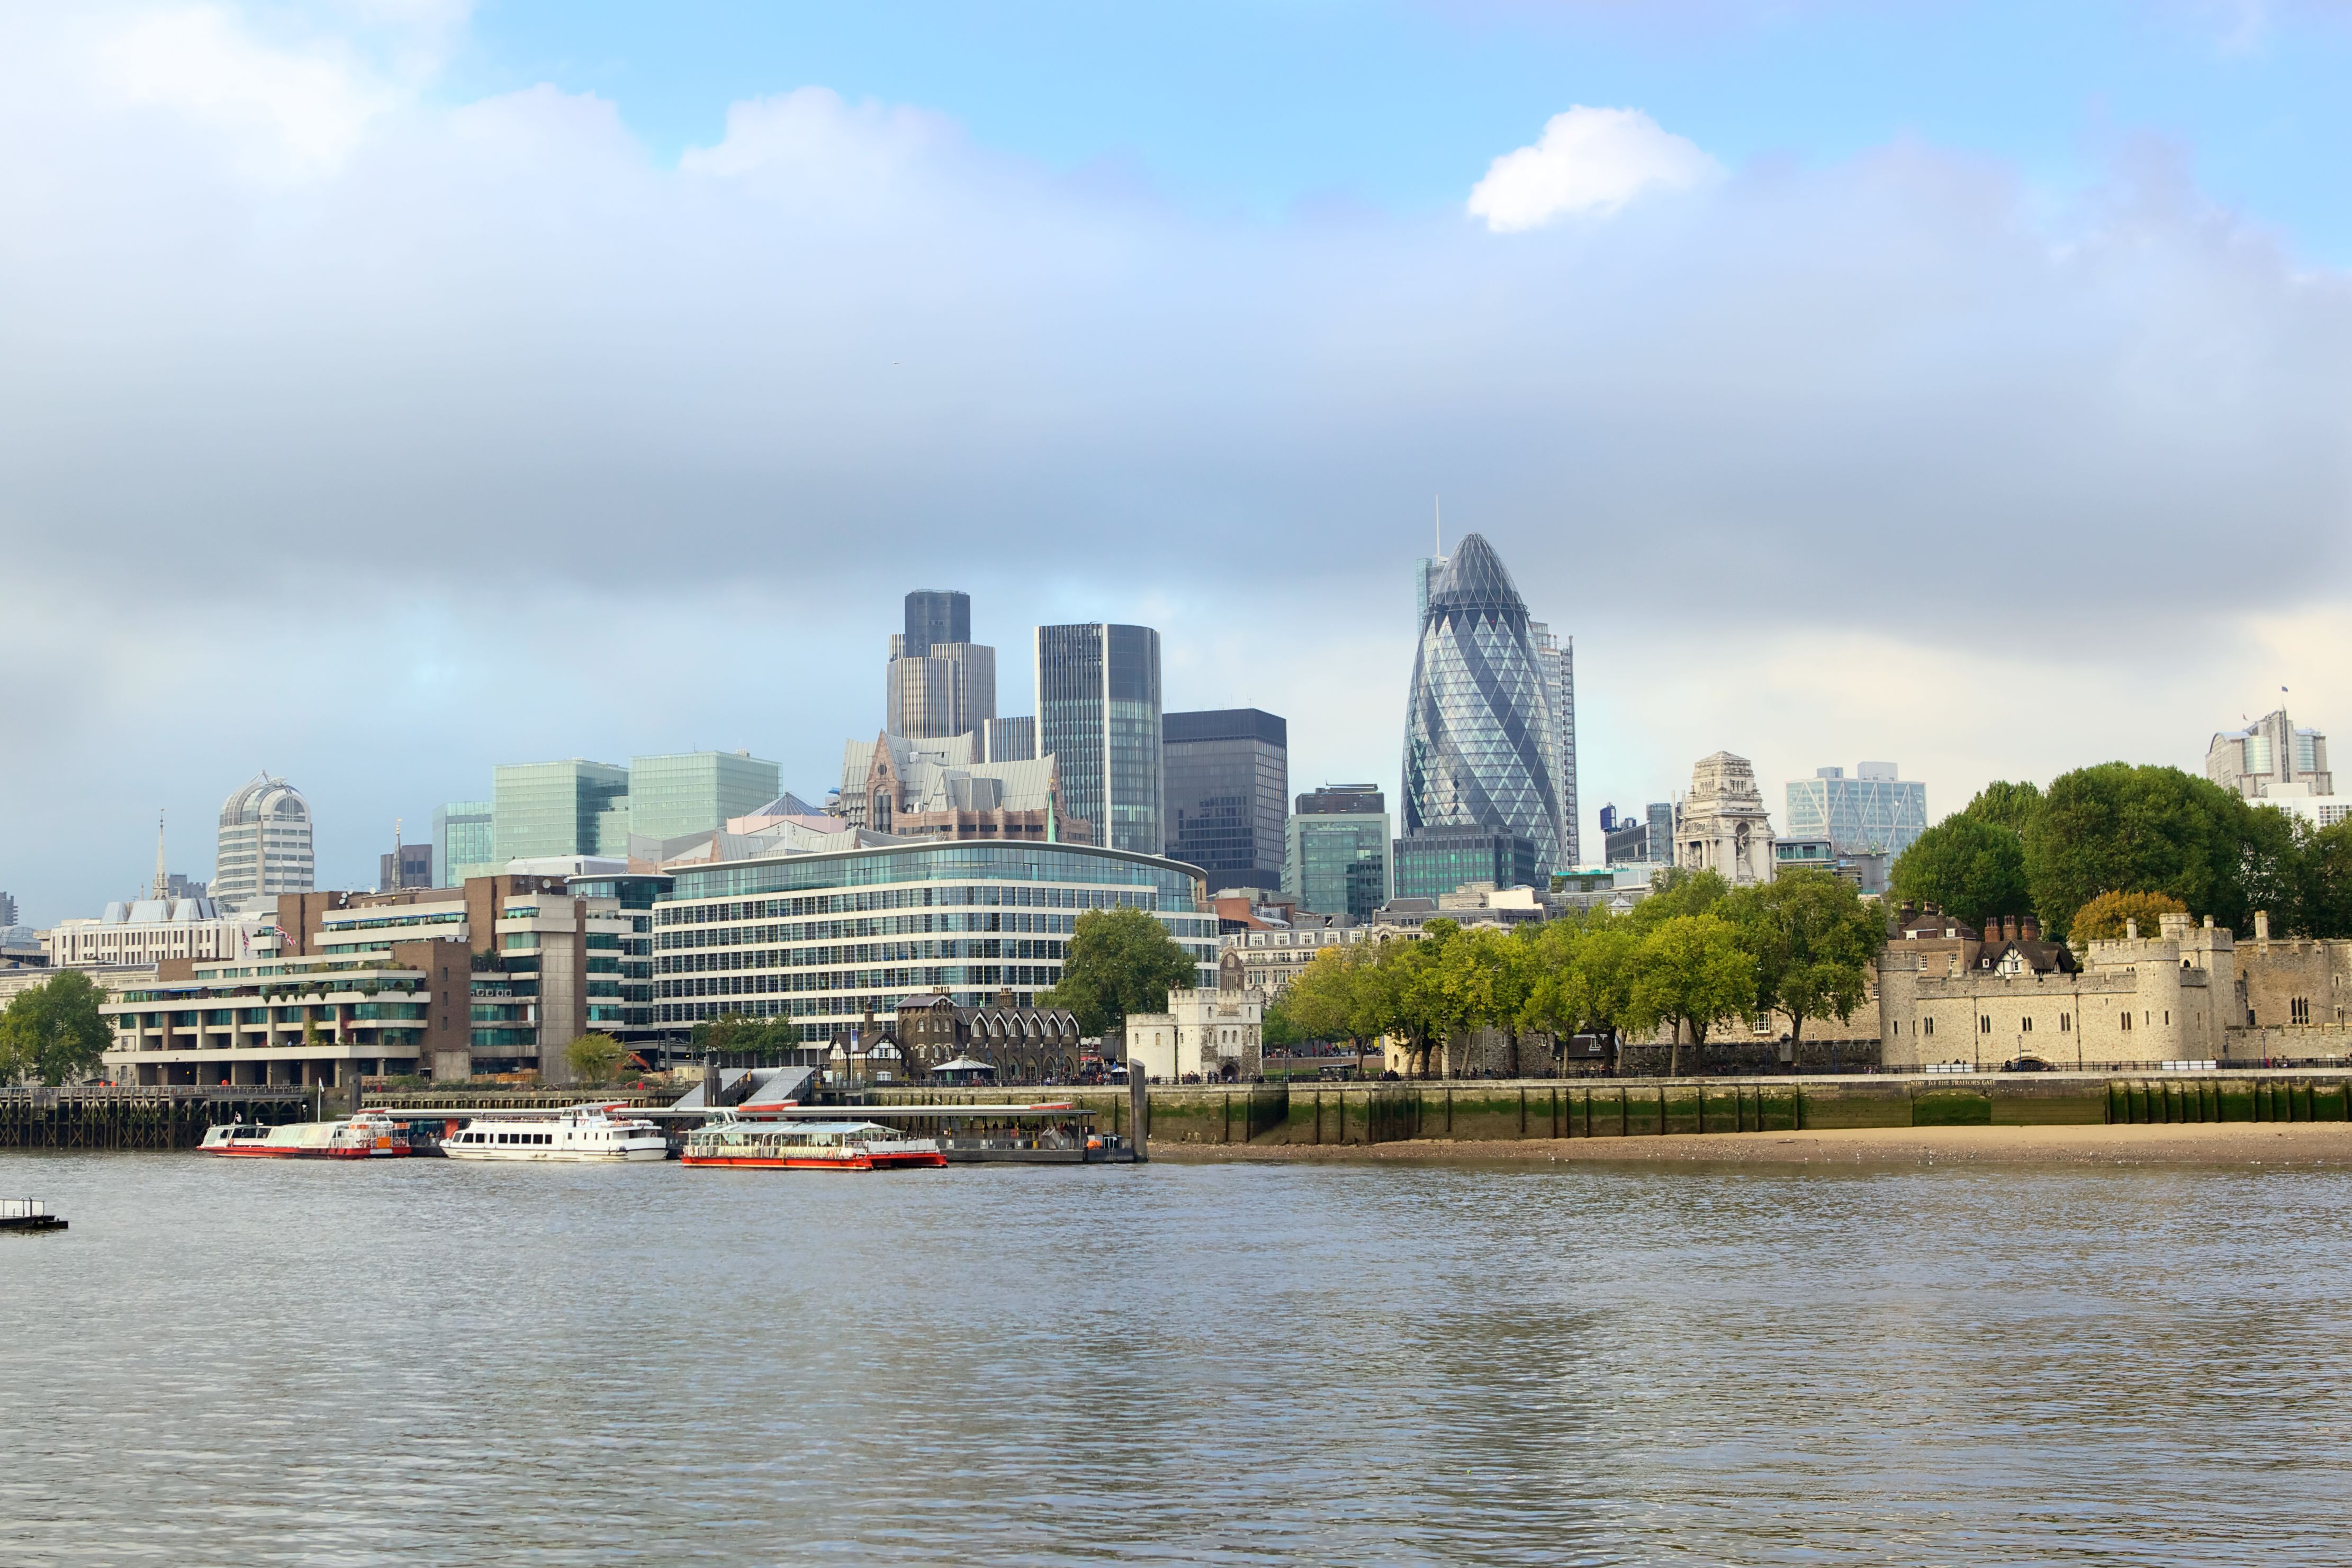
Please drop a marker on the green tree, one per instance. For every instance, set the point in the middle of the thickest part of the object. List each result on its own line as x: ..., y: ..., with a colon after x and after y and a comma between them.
x: 1119, y: 961
x: 53, y: 1031
x: 1583, y: 975
x: 1813, y: 939
x: 1332, y: 998
x: 1690, y: 971
x: 2117, y: 829
x: 1966, y: 866
x: 1489, y: 974
x: 1677, y: 891
x: 2005, y: 804
x: 2109, y: 915
x: 2328, y: 881
x: 593, y: 1059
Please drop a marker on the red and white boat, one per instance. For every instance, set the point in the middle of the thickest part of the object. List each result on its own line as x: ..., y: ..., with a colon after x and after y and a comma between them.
x: 797, y: 1145
x: 369, y: 1136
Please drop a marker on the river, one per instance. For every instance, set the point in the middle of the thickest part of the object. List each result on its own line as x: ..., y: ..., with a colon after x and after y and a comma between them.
x: 427, y: 1362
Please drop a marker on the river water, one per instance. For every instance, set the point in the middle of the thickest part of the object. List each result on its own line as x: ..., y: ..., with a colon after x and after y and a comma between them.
x: 422, y: 1360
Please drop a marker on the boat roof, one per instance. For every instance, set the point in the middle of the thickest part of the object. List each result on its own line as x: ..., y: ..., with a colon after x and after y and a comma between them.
x: 909, y: 1113
x: 800, y: 1126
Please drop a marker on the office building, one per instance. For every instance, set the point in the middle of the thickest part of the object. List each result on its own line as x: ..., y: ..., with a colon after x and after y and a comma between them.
x: 1722, y: 826
x: 150, y: 931
x: 570, y: 807
x: 464, y: 841
x: 1436, y: 861
x: 7, y: 909
x: 2270, y: 752
x: 1008, y: 740
x: 1336, y: 851
x: 829, y: 939
x: 407, y: 865
x: 937, y: 681
x: 1226, y: 794
x: 936, y: 789
x: 1556, y: 662
x: 1625, y: 840
x: 1866, y: 868
x: 1872, y: 813
x: 695, y: 792
x: 1661, y: 814
x: 265, y: 843
x: 1098, y: 715
x: 1480, y: 747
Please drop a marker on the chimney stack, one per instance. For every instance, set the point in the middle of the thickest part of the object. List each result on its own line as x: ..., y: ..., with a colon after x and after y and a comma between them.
x: 2032, y: 927
x: 2262, y: 925
x: 2131, y: 931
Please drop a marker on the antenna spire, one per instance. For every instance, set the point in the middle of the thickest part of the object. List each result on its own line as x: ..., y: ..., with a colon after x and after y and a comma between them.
x: 1437, y: 534
x: 163, y: 879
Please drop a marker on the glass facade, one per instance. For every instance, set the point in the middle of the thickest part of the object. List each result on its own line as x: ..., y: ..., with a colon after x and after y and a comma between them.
x: 265, y: 843
x: 696, y: 792
x: 1337, y: 863
x: 572, y: 807
x: 935, y: 616
x: 1228, y: 784
x: 1440, y: 860
x: 1875, y: 813
x: 1098, y: 716
x: 464, y: 841
x: 1480, y: 751
x: 826, y: 939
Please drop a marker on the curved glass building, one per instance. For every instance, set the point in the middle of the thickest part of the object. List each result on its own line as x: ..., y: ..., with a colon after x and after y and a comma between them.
x: 265, y: 844
x: 1479, y: 747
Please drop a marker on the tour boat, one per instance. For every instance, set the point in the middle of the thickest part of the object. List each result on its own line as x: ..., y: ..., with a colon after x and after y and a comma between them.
x: 797, y: 1145
x: 369, y: 1136
x: 577, y: 1133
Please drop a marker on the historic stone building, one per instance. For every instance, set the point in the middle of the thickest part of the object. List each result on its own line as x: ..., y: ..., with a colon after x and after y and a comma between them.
x: 1214, y: 1036
x: 1024, y: 1045
x: 1722, y: 826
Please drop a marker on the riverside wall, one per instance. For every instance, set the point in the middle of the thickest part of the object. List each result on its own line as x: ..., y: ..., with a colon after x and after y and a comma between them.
x: 1504, y: 1111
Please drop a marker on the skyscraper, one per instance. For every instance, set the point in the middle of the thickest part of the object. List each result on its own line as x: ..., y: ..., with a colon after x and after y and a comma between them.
x: 570, y: 807
x: 1555, y: 660
x: 1228, y: 784
x: 697, y: 792
x: 464, y: 841
x: 1872, y: 813
x: 2270, y: 752
x: 1480, y: 747
x: 937, y: 681
x: 265, y: 844
x: 1098, y: 713
x: 1336, y: 851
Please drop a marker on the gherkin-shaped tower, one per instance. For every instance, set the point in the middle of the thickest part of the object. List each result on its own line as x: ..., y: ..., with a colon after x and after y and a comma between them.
x: 1479, y: 749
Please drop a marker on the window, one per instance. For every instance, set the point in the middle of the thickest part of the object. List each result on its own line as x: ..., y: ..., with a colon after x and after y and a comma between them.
x: 2065, y: 1023
x: 2298, y: 1010
x: 2127, y: 1023
x: 1984, y: 1023
x: 2028, y: 1027
x: 1927, y: 1027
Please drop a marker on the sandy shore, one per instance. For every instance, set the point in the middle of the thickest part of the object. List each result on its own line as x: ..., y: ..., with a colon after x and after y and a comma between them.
x: 2222, y: 1143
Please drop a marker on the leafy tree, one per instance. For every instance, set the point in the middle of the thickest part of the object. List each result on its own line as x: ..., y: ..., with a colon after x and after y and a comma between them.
x: 1490, y: 974
x: 2117, y: 829
x: 1278, y: 1031
x: 1678, y: 891
x: 739, y: 1032
x: 1966, y: 866
x: 1335, y: 996
x: 1690, y: 971
x: 593, y: 1059
x: 1583, y: 975
x: 2327, y: 881
x: 2105, y: 918
x: 1813, y: 939
x: 2004, y: 805
x: 1119, y: 961
x: 53, y: 1031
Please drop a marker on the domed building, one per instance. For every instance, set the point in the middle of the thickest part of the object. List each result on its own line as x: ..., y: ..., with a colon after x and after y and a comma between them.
x: 1480, y: 748
x: 265, y: 844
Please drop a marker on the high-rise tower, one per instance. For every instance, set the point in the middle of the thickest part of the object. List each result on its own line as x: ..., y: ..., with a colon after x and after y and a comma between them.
x: 265, y: 844
x: 1481, y: 746
x: 1098, y: 713
x: 939, y: 682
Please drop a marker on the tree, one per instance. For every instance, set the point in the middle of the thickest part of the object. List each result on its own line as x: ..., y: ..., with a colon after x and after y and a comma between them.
x: 1583, y: 975
x: 1119, y: 961
x: 2117, y: 829
x: 1966, y: 865
x: 1678, y: 891
x: 2327, y: 881
x: 593, y: 1059
x: 1690, y: 970
x: 1333, y: 998
x: 1813, y: 939
x: 2107, y: 916
x: 1487, y: 975
x: 2004, y: 805
x: 53, y: 1031
x: 1422, y: 990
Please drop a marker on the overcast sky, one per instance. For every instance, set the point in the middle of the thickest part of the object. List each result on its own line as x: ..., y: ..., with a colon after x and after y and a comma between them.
x: 388, y: 390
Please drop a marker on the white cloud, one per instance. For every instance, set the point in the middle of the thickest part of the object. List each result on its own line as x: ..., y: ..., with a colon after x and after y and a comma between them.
x: 1587, y: 164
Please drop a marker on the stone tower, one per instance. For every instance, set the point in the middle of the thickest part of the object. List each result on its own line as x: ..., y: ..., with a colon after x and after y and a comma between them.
x: 1722, y: 826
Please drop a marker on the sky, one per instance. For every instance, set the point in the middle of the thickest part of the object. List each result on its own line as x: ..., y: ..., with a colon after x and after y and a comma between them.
x: 394, y: 388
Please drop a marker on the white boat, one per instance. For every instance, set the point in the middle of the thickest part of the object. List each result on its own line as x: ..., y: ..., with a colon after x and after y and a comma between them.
x: 369, y: 1136
x: 794, y: 1145
x: 576, y: 1133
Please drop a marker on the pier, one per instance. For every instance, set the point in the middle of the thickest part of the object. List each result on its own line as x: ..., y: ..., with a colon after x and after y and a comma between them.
x: 145, y: 1116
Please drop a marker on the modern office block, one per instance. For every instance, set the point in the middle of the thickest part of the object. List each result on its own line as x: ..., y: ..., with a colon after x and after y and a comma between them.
x: 407, y: 865
x: 547, y: 809
x: 1009, y: 739
x: 1227, y: 785
x: 2269, y: 752
x: 464, y: 841
x: 1336, y: 851
x: 1099, y: 714
x: 1481, y: 750
x: 937, y: 681
x: 1661, y: 814
x: 1556, y: 662
x: 1872, y: 813
x: 935, y: 616
x: 265, y: 844
x: 1438, y: 860
x: 695, y: 792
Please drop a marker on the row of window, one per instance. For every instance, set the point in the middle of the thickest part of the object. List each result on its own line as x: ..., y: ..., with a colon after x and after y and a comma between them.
x: 915, y: 898
x: 863, y: 952
x: 878, y: 925
x: 817, y: 993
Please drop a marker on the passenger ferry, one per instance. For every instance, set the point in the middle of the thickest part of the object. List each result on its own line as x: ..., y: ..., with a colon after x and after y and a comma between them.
x: 579, y: 1132
x: 797, y: 1145
x: 369, y: 1136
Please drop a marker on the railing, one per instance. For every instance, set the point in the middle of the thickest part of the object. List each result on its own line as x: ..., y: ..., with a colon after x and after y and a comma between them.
x: 21, y: 1208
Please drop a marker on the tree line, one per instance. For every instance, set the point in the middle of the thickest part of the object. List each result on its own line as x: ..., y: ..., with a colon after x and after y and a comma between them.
x: 1693, y: 954
x: 2117, y: 830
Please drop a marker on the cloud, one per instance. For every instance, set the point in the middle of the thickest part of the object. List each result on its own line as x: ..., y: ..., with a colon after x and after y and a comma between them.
x: 488, y: 437
x: 1588, y: 162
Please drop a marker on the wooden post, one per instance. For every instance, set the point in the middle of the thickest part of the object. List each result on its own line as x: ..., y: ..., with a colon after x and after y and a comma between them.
x: 1139, y: 1095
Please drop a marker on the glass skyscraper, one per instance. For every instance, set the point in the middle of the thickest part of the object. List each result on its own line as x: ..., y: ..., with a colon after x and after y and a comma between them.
x: 1228, y: 781
x: 1873, y: 813
x: 1481, y: 750
x: 697, y: 792
x: 1098, y: 716
x: 1336, y: 851
x: 572, y: 807
x: 1438, y: 860
x: 464, y: 841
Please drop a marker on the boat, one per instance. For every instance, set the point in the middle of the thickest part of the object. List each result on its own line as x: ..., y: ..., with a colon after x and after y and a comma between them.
x: 576, y: 1134
x: 808, y: 1146
x: 366, y: 1135
x: 27, y: 1213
